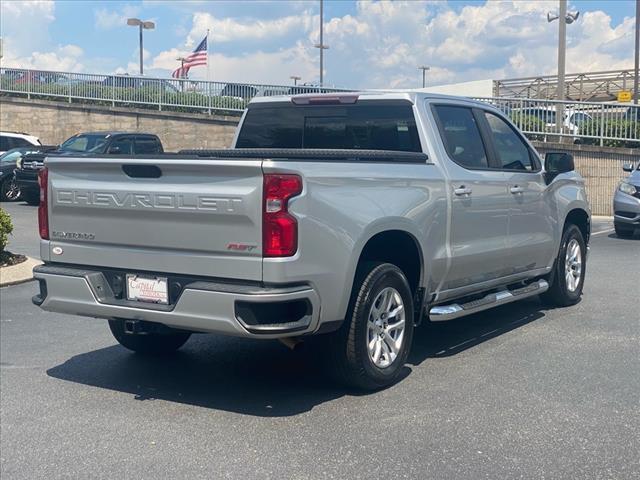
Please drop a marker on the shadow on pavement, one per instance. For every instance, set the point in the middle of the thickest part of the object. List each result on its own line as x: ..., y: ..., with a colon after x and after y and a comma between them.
x: 264, y: 378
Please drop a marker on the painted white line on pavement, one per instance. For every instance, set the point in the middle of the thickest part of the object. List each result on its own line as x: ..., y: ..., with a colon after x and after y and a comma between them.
x: 603, y: 231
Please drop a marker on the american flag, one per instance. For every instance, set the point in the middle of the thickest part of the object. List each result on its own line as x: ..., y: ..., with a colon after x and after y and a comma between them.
x: 198, y: 57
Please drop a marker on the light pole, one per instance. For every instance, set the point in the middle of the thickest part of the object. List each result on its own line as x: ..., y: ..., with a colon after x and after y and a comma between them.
x: 295, y: 79
x: 136, y: 22
x: 563, y: 18
x: 321, y: 46
x: 424, y: 75
x: 635, y: 68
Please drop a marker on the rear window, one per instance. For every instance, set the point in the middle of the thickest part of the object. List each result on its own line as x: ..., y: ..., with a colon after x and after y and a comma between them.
x: 359, y: 126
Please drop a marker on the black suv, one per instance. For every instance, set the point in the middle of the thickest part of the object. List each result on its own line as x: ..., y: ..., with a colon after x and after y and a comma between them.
x: 101, y: 143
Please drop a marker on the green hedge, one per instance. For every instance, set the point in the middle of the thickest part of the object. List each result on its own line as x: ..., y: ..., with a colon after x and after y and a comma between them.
x: 612, y: 128
x: 6, y: 227
x: 529, y: 122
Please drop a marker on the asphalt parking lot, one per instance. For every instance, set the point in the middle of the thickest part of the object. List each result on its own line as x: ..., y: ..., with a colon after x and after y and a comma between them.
x: 517, y: 392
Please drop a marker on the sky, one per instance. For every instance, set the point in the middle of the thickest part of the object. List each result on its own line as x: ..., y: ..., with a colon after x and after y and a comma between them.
x: 372, y: 44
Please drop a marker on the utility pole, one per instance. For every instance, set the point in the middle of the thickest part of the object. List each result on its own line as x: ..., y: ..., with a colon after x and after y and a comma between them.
x: 637, y: 62
x: 424, y: 76
x: 321, y: 45
x: 563, y: 18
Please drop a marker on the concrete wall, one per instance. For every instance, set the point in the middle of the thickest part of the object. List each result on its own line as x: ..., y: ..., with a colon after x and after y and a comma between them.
x: 54, y: 122
x: 601, y: 168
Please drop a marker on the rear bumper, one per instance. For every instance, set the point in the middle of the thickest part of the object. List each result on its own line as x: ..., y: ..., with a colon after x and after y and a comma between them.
x: 202, y: 306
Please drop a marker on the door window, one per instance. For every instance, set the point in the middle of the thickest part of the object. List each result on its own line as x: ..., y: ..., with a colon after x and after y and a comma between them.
x: 122, y: 146
x: 461, y: 136
x: 147, y: 145
x: 512, y: 152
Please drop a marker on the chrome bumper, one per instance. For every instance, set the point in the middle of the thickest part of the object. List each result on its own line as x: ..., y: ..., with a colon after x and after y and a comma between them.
x: 202, y: 306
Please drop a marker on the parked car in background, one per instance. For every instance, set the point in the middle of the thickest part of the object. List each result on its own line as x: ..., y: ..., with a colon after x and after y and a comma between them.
x: 626, y: 202
x: 10, y: 140
x: 97, y: 143
x: 632, y: 114
x: 9, y: 189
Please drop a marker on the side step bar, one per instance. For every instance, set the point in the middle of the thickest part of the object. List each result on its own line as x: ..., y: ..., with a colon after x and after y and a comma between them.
x: 441, y: 313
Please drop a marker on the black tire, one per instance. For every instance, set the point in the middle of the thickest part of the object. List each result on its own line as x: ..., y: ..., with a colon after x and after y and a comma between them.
x: 623, y: 231
x: 32, y: 199
x: 9, y: 191
x: 349, y: 358
x: 148, y: 343
x: 559, y: 293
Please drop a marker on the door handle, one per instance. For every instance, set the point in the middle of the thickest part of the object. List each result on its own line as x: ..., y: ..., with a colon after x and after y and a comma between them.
x: 462, y: 190
x: 516, y: 189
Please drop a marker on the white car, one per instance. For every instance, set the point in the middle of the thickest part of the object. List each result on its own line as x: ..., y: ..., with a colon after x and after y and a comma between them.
x: 9, y: 140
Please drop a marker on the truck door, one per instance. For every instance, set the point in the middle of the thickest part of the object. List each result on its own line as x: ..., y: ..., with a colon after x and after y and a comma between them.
x: 479, y: 202
x: 531, y: 223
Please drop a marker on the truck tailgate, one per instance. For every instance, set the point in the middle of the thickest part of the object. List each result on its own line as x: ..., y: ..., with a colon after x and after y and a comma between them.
x: 179, y: 215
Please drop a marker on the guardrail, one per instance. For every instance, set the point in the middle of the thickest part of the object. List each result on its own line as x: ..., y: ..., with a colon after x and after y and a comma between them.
x: 604, y: 124
x: 143, y: 92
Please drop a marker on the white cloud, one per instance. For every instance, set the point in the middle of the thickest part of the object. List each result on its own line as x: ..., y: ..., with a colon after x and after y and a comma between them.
x: 108, y: 19
x: 229, y: 29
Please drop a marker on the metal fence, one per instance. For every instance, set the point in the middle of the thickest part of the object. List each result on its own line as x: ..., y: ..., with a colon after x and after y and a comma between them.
x: 604, y: 124
x: 144, y: 92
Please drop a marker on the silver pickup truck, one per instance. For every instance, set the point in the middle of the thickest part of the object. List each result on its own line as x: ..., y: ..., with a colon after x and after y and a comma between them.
x: 343, y: 220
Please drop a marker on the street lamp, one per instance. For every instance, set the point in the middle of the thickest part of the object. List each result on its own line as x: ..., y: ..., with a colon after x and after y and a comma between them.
x: 136, y: 22
x: 321, y: 46
x: 565, y: 19
x: 424, y: 77
x: 295, y: 79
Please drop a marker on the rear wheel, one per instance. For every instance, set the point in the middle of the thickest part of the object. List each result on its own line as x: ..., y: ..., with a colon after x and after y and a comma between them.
x: 623, y: 231
x: 9, y: 191
x: 371, y: 348
x: 570, y: 269
x: 148, y: 343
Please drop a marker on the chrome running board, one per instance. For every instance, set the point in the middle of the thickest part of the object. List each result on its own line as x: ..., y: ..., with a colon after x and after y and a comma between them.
x: 441, y: 313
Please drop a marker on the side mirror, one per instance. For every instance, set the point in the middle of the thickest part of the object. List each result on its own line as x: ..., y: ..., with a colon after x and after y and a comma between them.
x: 556, y: 163
x: 115, y: 150
x: 627, y: 167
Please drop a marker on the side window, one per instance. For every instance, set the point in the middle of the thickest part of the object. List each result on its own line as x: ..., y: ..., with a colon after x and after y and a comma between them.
x: 512, y: 152
x: 121, y: 146
x: 461, y: 136
x: 4, y: 144
x: 147, y: 146
x: 17, y: 142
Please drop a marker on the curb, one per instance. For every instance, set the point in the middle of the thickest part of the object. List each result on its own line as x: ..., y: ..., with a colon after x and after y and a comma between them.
x: 15, y: 274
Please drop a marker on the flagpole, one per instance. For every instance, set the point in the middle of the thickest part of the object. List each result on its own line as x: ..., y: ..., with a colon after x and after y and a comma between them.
x: 208, y: 62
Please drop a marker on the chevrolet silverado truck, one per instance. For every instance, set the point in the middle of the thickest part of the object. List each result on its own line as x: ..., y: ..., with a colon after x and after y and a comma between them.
x: 342, y: 219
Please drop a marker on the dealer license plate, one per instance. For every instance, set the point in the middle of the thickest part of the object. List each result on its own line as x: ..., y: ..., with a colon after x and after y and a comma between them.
x: 147, y: 289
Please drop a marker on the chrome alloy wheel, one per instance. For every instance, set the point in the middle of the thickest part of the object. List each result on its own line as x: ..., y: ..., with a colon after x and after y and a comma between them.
x: 385, y: 327
x: 573, y: 265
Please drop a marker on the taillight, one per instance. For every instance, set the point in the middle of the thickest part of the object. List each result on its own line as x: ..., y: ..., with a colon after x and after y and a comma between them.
x: 43, y: 208
x: 279, y: 227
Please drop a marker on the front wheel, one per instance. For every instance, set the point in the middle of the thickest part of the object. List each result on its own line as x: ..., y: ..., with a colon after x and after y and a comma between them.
x: 623, y: 231
x: 371, y: 348
x: 9, y: 190
x: 570, y: 269
x: 149, y: 343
